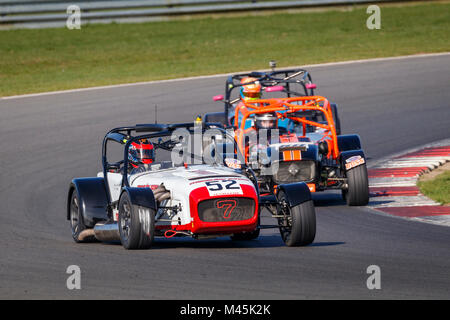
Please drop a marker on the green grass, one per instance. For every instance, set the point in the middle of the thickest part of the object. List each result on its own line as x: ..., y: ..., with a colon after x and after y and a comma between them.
x: 56, y: 59
x: 437, y: 189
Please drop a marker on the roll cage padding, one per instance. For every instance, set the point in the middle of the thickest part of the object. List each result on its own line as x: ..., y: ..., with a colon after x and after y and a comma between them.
x: 296, y: 193
x: 142, y: 197
x: 93, y: 200
x: 349, y: 142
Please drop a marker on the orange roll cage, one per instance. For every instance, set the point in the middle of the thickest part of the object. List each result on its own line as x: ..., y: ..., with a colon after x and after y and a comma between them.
x: 285, y: 108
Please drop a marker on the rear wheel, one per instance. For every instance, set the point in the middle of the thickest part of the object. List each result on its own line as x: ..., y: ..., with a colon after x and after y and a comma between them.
x: 136, y: 224
x: 357, y: 193
x: 299, y: 226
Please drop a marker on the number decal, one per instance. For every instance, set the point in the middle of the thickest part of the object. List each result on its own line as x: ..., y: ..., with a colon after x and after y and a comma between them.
x: 223, y: 187
x: 229, y: 206
x: 218, y: 186
x: 230, y: 185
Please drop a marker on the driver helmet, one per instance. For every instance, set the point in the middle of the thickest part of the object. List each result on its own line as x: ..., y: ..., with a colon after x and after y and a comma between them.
x: 141, y: 152
x: 251, y: 91
x: 266, y: 121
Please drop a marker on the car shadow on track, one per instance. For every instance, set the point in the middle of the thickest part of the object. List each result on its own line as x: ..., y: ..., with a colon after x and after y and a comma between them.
x: 328, y: 199
x: 263, y: 241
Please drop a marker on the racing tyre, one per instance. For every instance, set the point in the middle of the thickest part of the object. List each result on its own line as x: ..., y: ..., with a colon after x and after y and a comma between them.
x: 357, y: 193
x: 299, y: 229
x: 80, y: 233
x: 136, y: 224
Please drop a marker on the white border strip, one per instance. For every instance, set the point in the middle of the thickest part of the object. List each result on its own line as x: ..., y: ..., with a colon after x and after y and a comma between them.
x: 379, y: 162
x: 425, y: 55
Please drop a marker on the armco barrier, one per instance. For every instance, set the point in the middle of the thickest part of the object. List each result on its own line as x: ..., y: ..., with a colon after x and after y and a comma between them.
x: 41, y: 13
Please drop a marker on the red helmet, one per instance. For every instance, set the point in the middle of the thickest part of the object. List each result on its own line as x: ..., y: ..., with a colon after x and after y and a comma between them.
x: 141, y: 152
x: 252, y: 90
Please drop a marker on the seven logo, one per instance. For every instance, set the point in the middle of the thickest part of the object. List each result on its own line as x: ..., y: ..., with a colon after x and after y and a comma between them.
x: 229, y: 206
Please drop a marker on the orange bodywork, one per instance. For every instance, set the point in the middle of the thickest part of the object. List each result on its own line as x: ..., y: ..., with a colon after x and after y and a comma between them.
x: 285, y: 108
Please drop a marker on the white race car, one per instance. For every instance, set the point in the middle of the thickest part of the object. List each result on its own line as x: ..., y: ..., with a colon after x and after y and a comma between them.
x: 181, y: 197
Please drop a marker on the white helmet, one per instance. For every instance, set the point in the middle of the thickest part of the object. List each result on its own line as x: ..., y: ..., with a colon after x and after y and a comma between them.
x: 266, y: 121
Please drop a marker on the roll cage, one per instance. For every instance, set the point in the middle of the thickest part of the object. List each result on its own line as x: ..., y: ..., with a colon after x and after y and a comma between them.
x: 294, y: 82
x: 123, y: 136
x: 296, y: 109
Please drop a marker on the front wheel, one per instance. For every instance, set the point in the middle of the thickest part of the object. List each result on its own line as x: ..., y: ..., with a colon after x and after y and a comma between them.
x: 357, y: 193
x: 136, y: 224
x: 298, y: 228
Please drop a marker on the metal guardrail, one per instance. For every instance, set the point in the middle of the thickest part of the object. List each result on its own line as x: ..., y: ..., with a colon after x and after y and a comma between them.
x: 42, y: 13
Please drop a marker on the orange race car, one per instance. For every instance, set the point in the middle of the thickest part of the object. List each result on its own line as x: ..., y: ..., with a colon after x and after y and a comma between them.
x: 285, y: 143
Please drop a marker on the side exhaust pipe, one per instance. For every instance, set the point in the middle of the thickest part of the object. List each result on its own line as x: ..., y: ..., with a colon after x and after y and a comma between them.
x: 107, y: 231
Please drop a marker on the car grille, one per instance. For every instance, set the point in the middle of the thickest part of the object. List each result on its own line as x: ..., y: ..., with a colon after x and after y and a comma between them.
x: 295, y: 171
x: 226, y: 209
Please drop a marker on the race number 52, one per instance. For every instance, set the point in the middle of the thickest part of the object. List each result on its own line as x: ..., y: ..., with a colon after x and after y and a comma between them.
x: 223, y: 187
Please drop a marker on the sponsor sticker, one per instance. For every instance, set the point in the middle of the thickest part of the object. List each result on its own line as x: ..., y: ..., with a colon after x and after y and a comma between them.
x: 233, y: 163
x: 354, y: 162
x: 151, y: 186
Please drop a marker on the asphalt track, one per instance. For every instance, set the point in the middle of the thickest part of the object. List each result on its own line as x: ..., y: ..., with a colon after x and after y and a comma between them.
x: 48, y: 140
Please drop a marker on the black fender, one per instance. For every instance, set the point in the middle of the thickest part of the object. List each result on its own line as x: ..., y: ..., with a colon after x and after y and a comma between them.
x: 141, y: 197
x: 296, y: 193
x: 93, y: 199
x: 347, y: 155
x: 349, y: 142
x: 268, y: 200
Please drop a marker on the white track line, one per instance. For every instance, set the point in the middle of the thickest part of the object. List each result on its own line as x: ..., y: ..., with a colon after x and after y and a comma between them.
x: 438, y: 220
x: 426, y: 55
x: 397, y: 161
x: 396, y: 156
x: 392, y: 182
x: 401, y: 201
x: 406, y: 164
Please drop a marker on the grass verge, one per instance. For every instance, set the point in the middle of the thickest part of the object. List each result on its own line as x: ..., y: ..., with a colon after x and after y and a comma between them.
x: 437, y: 188
x: 57, y: 59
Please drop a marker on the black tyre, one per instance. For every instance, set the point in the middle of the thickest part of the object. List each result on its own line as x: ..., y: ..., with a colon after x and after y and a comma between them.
x: 357, y: 193
x: 136, y: 224
x: 299, y: 229
x: 80, y: 233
